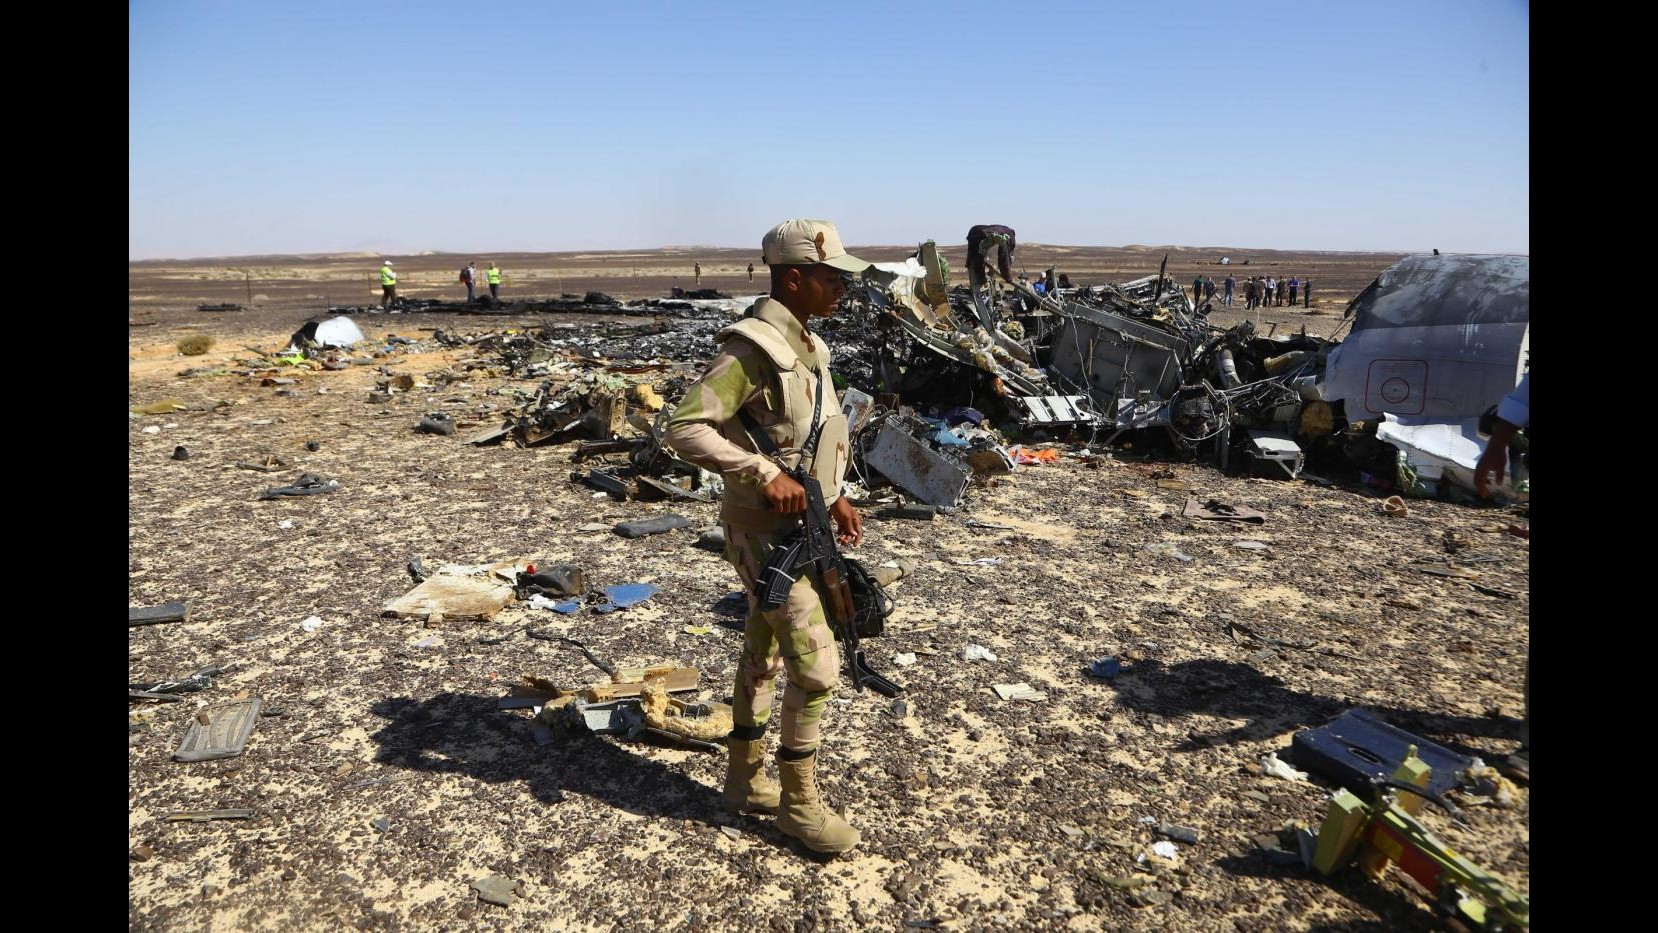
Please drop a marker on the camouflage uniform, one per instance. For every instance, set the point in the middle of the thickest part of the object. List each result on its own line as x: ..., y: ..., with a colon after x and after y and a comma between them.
x: 769, y: 365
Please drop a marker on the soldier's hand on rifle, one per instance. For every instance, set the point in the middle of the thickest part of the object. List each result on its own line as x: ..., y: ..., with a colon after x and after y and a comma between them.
x: 785, y: 495
x: 849, y: 525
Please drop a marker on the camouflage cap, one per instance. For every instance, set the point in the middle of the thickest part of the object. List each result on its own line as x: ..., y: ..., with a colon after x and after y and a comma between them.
x: 806, y: 242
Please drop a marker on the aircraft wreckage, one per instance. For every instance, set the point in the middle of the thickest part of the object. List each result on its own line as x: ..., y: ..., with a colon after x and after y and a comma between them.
x: 936, y: 376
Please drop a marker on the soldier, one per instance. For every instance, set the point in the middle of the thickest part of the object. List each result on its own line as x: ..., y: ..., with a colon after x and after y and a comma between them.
x: 696, y: 273
x: 772, y: 372
x: 751, y: 272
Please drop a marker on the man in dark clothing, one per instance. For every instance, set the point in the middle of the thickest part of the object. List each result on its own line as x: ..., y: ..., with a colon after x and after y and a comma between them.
x: 978, y: 238
x: 1231, y: 286
x: 1307, y: 293
x: 1250, y: 294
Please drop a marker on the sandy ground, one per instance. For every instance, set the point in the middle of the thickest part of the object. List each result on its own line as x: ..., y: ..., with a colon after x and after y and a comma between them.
x: 976, y: 812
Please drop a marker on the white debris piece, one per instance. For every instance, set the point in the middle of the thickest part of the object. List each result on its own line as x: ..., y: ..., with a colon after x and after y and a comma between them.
x: 977, y: 653
x: 311, y: 623
x: 1271, y: 765
x: 904, y: 659
x: 1019, y: 691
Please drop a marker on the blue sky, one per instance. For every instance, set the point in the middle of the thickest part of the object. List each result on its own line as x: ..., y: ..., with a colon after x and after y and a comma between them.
x: 400, y: 127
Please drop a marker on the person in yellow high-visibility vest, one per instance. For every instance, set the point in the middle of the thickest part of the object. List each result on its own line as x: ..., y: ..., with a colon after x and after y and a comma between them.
x: 494, y: 274
x: 388, y: 285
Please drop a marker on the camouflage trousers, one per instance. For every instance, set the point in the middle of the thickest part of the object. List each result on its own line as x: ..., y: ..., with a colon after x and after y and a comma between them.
x: 795, y: 636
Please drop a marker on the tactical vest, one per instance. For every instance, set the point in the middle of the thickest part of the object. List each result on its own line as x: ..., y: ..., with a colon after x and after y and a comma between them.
x: 788, y: 422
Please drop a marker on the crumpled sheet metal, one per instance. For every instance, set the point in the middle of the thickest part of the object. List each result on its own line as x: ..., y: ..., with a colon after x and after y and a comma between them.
x: 1117, y: 358
x: 915, y: 467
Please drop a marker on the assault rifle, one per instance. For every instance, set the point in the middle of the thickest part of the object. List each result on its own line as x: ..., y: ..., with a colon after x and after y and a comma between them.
x: 812, y: 545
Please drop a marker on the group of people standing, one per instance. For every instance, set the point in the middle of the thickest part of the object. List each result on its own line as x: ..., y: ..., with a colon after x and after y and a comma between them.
x: 1259, y: 291
x: 469, y: 276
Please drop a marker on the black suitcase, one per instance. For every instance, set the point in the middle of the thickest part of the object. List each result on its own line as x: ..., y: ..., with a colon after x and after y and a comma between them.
x: 1358, y: 747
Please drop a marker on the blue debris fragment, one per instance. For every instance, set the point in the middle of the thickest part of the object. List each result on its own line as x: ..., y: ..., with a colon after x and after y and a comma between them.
x: 1105, y: 667
x: 624, y: 595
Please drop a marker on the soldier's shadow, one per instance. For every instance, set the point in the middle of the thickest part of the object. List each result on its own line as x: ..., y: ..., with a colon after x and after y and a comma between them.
x: 732, y: 609
x: 1231, y: 690
x: 460, y: 733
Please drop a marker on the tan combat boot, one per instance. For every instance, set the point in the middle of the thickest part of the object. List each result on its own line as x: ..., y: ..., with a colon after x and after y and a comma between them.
x: 802, y: 813
x: 747, y: 789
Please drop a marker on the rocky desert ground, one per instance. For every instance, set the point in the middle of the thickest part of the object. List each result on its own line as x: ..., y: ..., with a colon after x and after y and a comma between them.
x: 385, y: 780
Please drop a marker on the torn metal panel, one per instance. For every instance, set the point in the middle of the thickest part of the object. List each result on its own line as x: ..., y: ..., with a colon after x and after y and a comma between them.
x: 914, y: 466
x: 489, y: 435
x: 979, y: 350
x: 856, y: 406
x: 667, y: 489
x: 915, y: 295
x: 1439, y: 450
x: 1057, y: 409
x: 616, y: 717
x: 166, y: 612
x: 1442, y: 337
x: 606, y: 481
x: 1274, y: 453
x: 219, y: 731
x: 1117, y: 358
